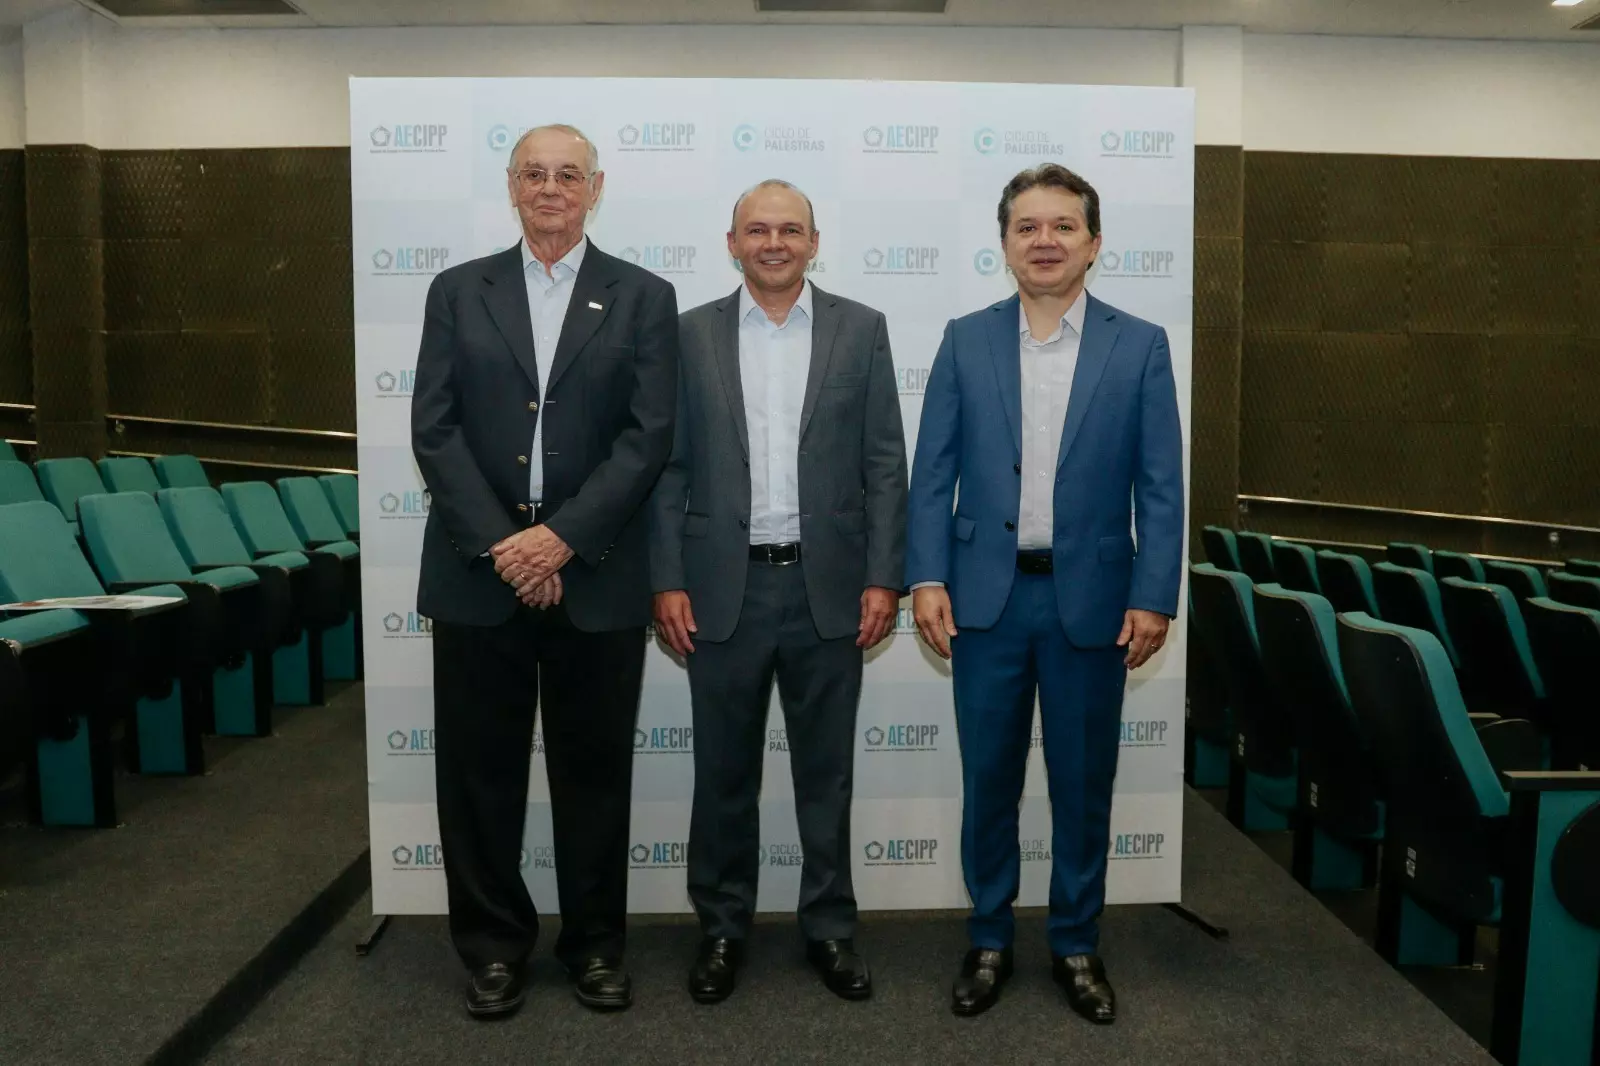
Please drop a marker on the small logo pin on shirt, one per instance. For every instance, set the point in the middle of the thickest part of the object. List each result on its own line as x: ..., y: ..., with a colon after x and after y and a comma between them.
x: 594, y: 306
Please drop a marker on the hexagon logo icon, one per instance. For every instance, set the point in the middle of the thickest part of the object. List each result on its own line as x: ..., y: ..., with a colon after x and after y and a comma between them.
x: 397, y: 740
x: 385, y: 381
x: 1111, y: 140
x: 873, y: 257
x: 874, y: 851
x: 1110, y: 261
x: 874, y: 736
x: 382, y: 259
x: 873, y: 136
x: 640, y: 738
x: 639, y: 853
x: 628, y: 134
x: 389, y: 503
x: 393, y: 622
x: 401, y: 856
x: 380, y: 137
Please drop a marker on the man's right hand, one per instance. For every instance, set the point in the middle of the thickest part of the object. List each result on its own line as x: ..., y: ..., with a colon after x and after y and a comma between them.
x: 930, y: 606
x: 675, y: 620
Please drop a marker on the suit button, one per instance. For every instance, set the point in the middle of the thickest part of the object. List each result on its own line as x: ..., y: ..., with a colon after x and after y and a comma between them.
x: 744, y: 524
x: 1016, y: 468
x: 522, y: 460
x: 746, y: 462
x: 533, y: 405
x: 1011, y: 527
x: 522, y: 507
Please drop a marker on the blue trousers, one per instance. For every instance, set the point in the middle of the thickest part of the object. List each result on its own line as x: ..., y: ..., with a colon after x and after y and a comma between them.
x: 997, y: 673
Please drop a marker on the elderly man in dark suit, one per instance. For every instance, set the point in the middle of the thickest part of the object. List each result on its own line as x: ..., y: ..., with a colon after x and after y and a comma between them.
x: 777, y: 548
x: 541, y: 417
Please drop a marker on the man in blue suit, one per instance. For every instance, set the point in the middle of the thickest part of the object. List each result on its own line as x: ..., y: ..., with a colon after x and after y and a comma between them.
x: 1056, y: 417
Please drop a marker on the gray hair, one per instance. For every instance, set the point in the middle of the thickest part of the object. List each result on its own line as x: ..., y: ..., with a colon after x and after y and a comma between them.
x: 773, y: 183
x: 591, y: 163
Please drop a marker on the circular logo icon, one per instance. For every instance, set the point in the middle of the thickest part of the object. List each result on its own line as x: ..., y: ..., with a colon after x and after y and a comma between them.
x: 522, y: 860
x: 383, y: 259
x: 640, y: 738
x: 1110, y: 261
x: 401, y: 855
x: 640, y: 853
x: 389, y: 503
x: 761, y: 855
x: 385, y: 381
x: 873, y: 136
x: 986, y: 262
x: 628, y: 134
x: 874, y: 851
x: 393, y: 622
x: 873, y: 258
x: 745, y: 137
x: 380, y: 137
x: 499, y: 138
x: 397, y: 741
x: 630, y: 254
x: 986, y: 141
x: 874, y: 736
x: 1111, y: 140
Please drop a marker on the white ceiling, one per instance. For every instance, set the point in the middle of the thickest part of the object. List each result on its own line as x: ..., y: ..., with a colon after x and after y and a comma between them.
x: 1490, y: 19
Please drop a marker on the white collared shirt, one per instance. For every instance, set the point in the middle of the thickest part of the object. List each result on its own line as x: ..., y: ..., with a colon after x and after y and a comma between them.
x: 1047, y: 369
x: 549, y: 293
x: 774, y: 362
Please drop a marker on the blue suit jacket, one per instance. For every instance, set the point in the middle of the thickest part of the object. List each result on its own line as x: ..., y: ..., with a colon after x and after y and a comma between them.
x: 1121, y: 451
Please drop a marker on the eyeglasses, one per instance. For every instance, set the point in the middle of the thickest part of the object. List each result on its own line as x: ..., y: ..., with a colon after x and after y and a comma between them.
x: 533, y: 178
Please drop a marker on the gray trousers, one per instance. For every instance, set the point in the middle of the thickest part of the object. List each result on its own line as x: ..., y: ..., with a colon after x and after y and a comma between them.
x: 730, y: 684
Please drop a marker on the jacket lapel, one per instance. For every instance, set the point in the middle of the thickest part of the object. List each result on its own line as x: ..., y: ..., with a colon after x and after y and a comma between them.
x: 1100, y: 331
x: 1005, y: 355
x: 824, y: 328
x: 505, y: 294
x: 725, y: 353
x: 591, y: 304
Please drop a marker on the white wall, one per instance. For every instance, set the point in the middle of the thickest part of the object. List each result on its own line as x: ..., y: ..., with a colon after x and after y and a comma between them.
x: 11, y: 95
x: 1421, y: 97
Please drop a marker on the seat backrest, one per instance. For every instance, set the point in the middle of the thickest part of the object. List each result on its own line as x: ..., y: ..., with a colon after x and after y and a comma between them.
x: 1566, y: 645
x: 1404, y: 692
x: 1457, y: 564
x: 1583, y: 567
x: 344, y: 493
x: 8, y: 454
x: 1524, y: 581
x: 1222, y: 548
x: 1296, y: 566
x: 39, y: 556
x: 1224, y: 608
x: 259, y: 517
x: 1405, y: 553
x: 1576, y: 589
x: 128, y: 539
x: 1410, y: 597
x: 1255, y: 556
x: 1300, y: 653
x: 1497, y: 664
x: 1347, y: 582
x: 17, y: 483
x: 202, y: 528
x: 129, y: 473
x: 181, y: 472
x: 64, y: 480
x: 309, y: 511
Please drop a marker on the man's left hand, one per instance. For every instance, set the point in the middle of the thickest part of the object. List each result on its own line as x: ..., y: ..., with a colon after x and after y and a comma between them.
x: 878, y: 607
x: 528, y: 559
x: 1143, y: 633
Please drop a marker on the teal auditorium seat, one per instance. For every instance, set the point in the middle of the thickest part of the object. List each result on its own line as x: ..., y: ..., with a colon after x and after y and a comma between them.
x: 265, y: 526
x: 1262, y: 778
x: 1457, y: 564
x: 1206, y: 727
x: 1296, y: 566
x: 1575, y: 589
x: 1524, y: 581
x: 298, y: 602
x: 1222, y: 547
x: 1583, y: 567
x: 65, y: 480
x: 1498, y: 673
x: 1347, y: 582
x: 231, y: 669
x: 129, y: 473
x: 344, y: 494
x: 8, y: 454
x: 139, y: 653
x: 1255, y: 556
x: 1408, y: 596
x: 181, y: 472
x: 1339, y: 819
x: 1473, y: 840
x: 1413, y: 556
x: 17, y: 483
x: 1566, y: 646
x: 44, y: 695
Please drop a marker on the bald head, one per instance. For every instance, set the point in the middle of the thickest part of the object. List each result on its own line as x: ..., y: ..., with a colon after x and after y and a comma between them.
x: 559, y: 130
x: 773, y: 184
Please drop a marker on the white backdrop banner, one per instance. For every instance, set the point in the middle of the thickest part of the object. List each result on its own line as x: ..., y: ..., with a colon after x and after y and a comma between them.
x: 905, y: 177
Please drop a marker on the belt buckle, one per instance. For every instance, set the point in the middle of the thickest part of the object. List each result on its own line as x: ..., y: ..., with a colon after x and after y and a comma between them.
x: 791, y: 554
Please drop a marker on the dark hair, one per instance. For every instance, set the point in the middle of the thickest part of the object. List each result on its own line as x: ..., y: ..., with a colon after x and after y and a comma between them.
x: 1054, y: 176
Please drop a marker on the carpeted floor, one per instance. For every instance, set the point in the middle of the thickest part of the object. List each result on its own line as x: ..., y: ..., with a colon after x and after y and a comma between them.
x: 1292, y: 985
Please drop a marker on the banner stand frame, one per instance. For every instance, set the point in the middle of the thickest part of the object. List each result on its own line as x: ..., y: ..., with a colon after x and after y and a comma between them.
x: 1214, y: 931
x: 370, y: 938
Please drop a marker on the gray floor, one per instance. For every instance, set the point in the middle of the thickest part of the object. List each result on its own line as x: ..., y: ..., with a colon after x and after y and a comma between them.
x: 111, y: 939
x: 1293, y: 985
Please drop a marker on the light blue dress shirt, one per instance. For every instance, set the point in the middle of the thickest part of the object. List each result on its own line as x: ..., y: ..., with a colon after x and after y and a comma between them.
x: 1047, y: 369
x: 549, y: 293
x: 774, y: 361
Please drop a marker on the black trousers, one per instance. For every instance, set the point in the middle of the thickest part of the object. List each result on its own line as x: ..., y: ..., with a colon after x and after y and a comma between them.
x: 487, y: 684
x: 730, y: 685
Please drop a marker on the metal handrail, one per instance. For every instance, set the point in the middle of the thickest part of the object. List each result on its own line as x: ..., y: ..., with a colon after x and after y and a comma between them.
x: 333, y: 434
x: 16, y: 407
x: 247, y: 462
x: 1381, y: 547
x: 1370, y: 508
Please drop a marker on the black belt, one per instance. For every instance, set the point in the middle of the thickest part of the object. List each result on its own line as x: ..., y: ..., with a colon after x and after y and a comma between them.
x: 775, y: 554
x: 1035, y: 562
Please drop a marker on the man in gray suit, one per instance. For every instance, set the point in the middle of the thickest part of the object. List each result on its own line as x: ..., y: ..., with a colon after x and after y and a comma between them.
x: 777, y: 548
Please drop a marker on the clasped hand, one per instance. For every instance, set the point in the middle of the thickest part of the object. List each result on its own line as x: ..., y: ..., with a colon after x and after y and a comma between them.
x: 530, y: 562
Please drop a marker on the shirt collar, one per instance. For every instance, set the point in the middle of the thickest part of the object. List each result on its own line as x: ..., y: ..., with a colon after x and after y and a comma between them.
x: 1073, y: 319
x: 572, y: 260
x: 748, y: 306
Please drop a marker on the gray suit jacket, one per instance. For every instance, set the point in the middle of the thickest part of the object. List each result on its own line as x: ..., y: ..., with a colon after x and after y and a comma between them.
x: 852, y: 469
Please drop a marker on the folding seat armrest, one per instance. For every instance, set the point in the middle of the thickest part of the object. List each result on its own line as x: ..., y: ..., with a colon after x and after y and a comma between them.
x: 1514, y: 744
x: 1551, y: 780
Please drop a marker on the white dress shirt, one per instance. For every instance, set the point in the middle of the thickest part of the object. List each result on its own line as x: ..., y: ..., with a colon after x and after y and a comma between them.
x: 549, y: 293
x: 1047, y: 368
x: 774, y: 361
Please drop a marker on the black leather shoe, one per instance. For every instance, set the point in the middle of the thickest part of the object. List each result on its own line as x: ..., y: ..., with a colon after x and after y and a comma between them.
x: 842, y: 970
x: 496, y: 989
x: 1088, y: 991
x: 603, y: 984
x: 712, y: 975
x: 977, y: 987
